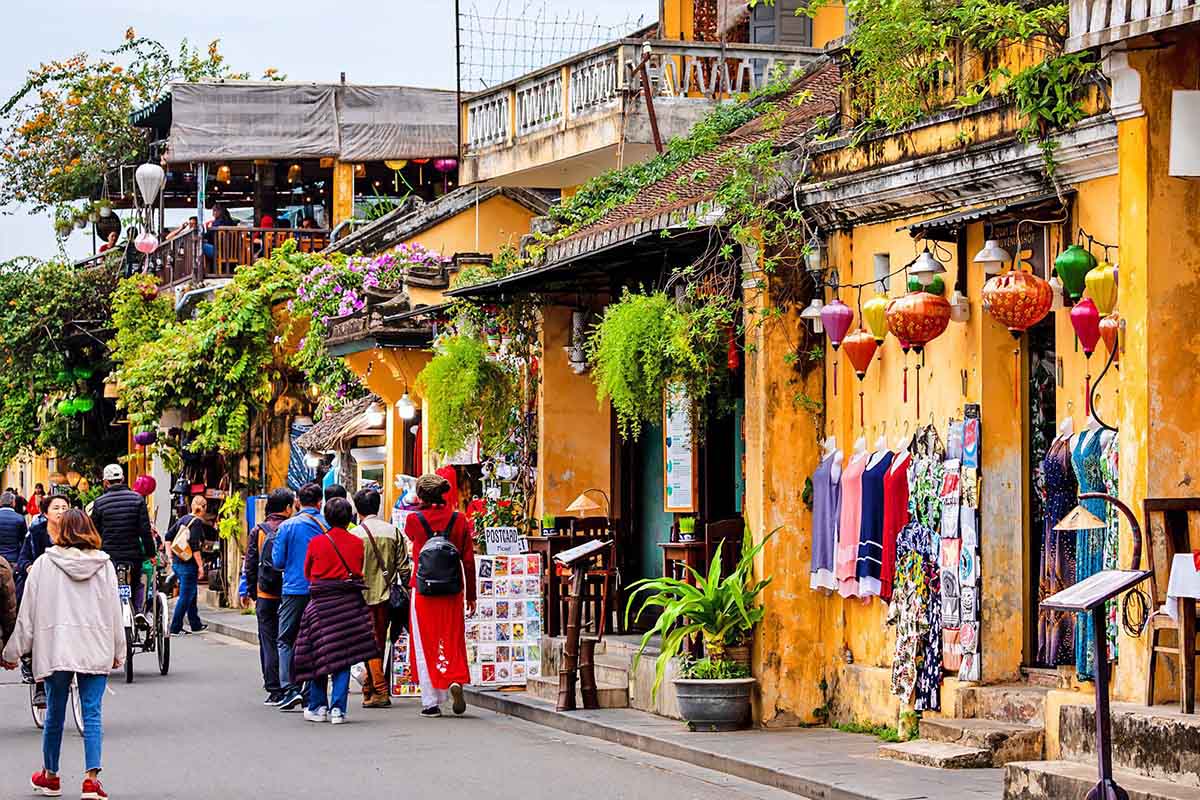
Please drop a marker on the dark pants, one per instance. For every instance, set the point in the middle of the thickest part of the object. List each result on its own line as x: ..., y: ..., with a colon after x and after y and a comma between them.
x: 291, y: 608
x: 267, y: 612
x: 186, y: 572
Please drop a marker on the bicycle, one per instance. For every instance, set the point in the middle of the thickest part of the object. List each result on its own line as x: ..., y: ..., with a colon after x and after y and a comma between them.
x: 73, y: 701
x: 150, y: 633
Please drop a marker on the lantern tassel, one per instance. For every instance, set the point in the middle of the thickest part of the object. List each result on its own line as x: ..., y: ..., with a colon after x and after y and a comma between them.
x: 862, y: 414
x: 906, y: 381
x: 918, y: 392
x: 835, y: 363
x: 1017, y: 379
x: 1087, y: 394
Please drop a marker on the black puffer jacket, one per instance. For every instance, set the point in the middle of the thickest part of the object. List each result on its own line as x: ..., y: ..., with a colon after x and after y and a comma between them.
x: 121, y: 517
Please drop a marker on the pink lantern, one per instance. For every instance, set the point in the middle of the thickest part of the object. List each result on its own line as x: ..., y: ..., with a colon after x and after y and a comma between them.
x: 144, y: 485
x: 146, y: 243
x: 1085, y: 319
x: 445, y: 164
x: 836, y: 317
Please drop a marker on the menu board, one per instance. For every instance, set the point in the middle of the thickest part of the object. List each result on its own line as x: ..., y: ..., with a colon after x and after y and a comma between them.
x: 504, y: 638
x: 680, y: 466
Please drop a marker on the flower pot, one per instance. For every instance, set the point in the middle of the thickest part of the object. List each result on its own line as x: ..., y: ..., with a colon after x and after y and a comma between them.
x: 719, y: 705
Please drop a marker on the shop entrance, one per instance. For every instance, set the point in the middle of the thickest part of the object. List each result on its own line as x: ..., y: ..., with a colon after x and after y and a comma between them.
x: 651, y: 524
x: 1039, y: 434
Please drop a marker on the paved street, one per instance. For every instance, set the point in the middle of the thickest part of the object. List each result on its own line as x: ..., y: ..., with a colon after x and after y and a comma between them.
x: 202, y: 733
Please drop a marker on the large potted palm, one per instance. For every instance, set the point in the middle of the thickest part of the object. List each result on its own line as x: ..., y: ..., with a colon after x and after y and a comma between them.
x: 714, y: 691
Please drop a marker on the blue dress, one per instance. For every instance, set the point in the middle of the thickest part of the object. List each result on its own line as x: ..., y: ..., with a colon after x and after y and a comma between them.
x: 1089, y: 544
x: 827, y: 508
x: 870, y: 536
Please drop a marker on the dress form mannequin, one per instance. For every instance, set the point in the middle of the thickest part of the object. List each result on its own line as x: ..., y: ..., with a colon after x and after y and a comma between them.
x: 903, y: 443
x: 1066, y: 428
x: 1093, y: 428
x: 860, y: 448
x: 879, y: 452
x: 831, y: 449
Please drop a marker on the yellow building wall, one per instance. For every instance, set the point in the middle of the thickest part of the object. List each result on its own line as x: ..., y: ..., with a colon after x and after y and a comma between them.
x: 829, y: 23
x: 486, y: 228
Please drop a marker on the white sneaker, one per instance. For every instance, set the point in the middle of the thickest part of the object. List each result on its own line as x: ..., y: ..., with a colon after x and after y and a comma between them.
x: 336, y: 717
x: 319, y: 715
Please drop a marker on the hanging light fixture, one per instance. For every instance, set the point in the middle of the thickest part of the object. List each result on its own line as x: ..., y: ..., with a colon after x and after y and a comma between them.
x: 295, y: 173
x: 360, y: 170
x: 1072, y: 265
x: 1110, y: 329
x: 1101, y: 285
x: 812, y: 315
x: 150, y: 179
x: 1085, y: 319
x: 224, y: 174
x: 993, y: 257
x: 926, y: 267
x: 146, y: 243
x: 1018, y: 300
x: 917, y: 319
x: 836, y: 317
x: 374, y: 415
x: 396, y: 164
x: 812, y: 257
x: 405, y: 407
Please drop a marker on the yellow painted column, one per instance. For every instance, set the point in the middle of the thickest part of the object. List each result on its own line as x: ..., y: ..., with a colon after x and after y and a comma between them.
x: 343, y: 191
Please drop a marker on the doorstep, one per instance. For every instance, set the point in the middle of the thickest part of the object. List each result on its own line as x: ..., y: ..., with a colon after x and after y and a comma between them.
x: 817, y: 763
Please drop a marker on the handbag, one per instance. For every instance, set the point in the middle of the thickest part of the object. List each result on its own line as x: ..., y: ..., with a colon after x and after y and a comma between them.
x: 398, y: 597
x: 181, y: 544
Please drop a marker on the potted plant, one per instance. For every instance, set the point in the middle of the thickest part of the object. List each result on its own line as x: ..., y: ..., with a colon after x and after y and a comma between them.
x: 547, y: 524
x: 687, y: 528
x: 713, y: 692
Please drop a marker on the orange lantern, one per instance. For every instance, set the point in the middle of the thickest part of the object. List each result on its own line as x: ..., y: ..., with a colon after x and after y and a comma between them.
x: 860, y: 348
x: 916, y: 319
x: 1018, y: 300
x: 1110, y: 328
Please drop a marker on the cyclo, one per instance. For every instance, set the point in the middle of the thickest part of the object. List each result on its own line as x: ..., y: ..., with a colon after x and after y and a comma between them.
x: 150, y: 630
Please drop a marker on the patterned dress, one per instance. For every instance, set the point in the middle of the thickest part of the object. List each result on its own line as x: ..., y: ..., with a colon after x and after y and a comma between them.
x: 1056, y: 633
x: 910, y: 598
x: 1089, y: 544
x: 1112, y: 540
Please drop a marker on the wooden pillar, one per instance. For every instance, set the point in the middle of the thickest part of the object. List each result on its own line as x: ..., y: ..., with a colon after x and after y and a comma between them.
x: 343, y: 191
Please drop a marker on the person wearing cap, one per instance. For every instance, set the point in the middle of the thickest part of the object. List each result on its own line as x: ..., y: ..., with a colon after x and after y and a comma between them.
x: 123, y: 521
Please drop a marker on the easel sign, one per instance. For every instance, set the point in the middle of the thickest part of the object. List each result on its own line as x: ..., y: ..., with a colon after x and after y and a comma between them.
x: 680, y: 459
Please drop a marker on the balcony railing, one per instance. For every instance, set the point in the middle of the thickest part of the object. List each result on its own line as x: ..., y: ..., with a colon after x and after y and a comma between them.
x: 594, y: 80
x: 1099, y: 22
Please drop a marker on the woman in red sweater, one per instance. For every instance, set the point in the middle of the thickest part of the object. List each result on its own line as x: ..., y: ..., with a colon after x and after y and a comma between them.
x: 439, y: 642
x: 335, y: 630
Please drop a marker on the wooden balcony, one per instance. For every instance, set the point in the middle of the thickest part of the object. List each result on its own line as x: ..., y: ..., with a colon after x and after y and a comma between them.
x: 1100, y: 22
x: 185, y: 259
x: 559, y: 124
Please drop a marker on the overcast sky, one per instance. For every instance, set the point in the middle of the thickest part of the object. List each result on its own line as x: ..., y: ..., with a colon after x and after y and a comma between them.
x: 397, y: 42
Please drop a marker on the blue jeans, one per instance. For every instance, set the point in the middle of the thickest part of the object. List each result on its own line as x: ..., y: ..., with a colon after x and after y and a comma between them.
x: 318, y: 697
x: 291, y: 608
x: 91, y: 693
x: 186, y: 604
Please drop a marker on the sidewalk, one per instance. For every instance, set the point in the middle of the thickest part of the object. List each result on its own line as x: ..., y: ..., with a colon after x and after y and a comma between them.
x: 817, y: 763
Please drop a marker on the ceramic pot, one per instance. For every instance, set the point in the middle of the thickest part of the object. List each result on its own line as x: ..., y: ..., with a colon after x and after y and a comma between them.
x: 717, y: 705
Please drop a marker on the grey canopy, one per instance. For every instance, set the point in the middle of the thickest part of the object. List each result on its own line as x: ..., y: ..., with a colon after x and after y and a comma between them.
x: 243, y: 120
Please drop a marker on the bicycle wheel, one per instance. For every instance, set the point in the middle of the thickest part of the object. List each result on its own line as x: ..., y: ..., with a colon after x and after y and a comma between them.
x: 39, y: 714
x: 76, y: 705
x: 162, y: 639
x: 129, y: 655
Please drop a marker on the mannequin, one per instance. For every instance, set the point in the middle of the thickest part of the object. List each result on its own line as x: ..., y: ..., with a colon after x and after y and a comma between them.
x: 860, y: 448
x: 830, y: 448
x: 1093, y: 428
x: 1065, y: 428
x: 880, y: 450
x: 903, y: 443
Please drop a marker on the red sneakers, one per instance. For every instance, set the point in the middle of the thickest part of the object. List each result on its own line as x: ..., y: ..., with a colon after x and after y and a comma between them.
x: 92, y: 790
x: 43, y: 784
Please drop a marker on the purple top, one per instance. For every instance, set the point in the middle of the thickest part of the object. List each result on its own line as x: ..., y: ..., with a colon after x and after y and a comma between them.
x: 827, y: 508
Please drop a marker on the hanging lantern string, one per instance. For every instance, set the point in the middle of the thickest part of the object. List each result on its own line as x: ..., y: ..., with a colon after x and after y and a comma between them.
x: 1095, y: 388
x: 835, y: 282
x: 1092, y: 241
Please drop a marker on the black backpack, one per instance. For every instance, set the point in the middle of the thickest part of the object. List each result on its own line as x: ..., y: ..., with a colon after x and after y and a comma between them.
x: 439, y: 566
x: 270, y: 577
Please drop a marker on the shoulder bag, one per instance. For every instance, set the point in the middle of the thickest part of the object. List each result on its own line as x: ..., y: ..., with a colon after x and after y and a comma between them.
x: 398, y: 598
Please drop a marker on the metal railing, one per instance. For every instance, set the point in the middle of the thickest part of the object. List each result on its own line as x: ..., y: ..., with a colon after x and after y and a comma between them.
x: 1097, y: 22
x: 595, y: 79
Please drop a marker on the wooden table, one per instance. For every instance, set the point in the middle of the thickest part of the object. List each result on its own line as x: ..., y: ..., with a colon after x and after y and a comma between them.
x: 548, y: 547
x: 1183, y: 590
x: 676, y: 556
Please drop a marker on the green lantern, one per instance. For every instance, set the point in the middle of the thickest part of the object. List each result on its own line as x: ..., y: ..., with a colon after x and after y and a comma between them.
x: 84, y: 404
x: 62, y: 376
x: 1072, y: 265
x: 937, y: 286
x: 914, y: 285
x: 83, y: 373
x: 66, y: 407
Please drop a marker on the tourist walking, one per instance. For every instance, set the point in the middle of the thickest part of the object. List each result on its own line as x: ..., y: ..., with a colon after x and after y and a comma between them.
x: 443, y: 580
x: 42, y: 536
x: 288, y: 554
x: 8, y: 602
x: 12, y: 528
x: 385, y: 565
x: 34, y: 506
x: 187, y: 562
x: 74, y: 587
x: 123, y: 521
x: 264, y: 584
x: 335, y: 631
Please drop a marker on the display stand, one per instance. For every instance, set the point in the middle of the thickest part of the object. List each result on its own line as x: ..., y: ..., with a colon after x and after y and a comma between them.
x: 577, y: 560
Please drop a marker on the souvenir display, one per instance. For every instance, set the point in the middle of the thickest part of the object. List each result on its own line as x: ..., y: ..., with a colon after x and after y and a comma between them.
x: 504, y: 638
x: 404, y: 681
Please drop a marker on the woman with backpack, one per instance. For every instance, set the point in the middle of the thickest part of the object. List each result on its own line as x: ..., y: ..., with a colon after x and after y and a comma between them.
x: 443, y: 581
x: 187, y: 561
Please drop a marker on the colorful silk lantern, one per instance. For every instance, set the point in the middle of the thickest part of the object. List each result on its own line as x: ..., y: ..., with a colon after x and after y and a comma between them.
x: 1072, y: 265
x: 1085, y: 319
x: 145, y: 437
x: 145, y: 485
x: 146, y: 243
x: 860, y: 349
x: 836, y: 317
x: 918, y: 318
x: 1018, y: 300
x: 66, y: 407
x: 1102, y: 287
x: 874, y: 316
x: 1110, y: 329
x: 84, y: 404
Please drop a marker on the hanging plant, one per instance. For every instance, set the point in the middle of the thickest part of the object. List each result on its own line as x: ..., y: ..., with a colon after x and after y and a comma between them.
x: 468, y: 395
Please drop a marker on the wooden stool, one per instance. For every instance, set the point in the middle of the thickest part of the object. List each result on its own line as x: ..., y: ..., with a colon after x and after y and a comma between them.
x: 1167, y: 526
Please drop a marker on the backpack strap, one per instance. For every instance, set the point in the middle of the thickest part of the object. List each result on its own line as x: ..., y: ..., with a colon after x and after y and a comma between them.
x: 324, y: 528
x: 425, y: 524
x: 349, y: 572
x: 450, y: 524
x: 378, y: 555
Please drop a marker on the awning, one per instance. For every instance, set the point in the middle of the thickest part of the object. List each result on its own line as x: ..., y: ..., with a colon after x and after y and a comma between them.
x: 243, y: 120
x: 419, y: 311
x: 946, y: 228
x: 337, y: 428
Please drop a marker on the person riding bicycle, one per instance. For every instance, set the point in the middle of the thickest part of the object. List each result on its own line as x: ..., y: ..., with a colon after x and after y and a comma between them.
x: 121, y: 517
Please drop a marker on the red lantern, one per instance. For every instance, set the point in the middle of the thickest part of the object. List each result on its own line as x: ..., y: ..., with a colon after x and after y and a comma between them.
x: 1110, y: 328
x: 860, y: 349
x: 1085, y: 319
x: 1018, y: 300
x: 918, y: 318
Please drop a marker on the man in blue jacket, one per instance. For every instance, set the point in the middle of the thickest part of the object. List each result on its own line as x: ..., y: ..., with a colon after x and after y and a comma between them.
x: 291, y: 547
x: 12, y: 528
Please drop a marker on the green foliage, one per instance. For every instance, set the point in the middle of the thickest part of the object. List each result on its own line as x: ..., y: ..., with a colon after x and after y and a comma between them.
x: 505, y: 262
x: 229, y: 518
x: 721, y: 609
x: 645, y: 342
x: 884, y: 732
x: 139, y: 315
x: 1046, y: 93
x: 706, y: 669
x: 468, y: 394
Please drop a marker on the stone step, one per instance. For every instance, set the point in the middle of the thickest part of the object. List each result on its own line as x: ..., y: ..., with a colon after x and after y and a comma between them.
x: 1072, y: 780
x: 1006, y: 741
x: 1048, y: 677
x: 942, y: 755
x: 1158, y: 742
x: 611, y: 674
x: 1018, y: 702
x: 546, y: 688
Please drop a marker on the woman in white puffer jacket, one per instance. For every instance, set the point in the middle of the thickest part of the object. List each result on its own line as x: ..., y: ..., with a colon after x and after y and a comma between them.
x: 70, y: 620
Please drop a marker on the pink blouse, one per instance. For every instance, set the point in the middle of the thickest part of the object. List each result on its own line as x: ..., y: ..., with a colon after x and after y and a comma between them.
x: 846, y: 559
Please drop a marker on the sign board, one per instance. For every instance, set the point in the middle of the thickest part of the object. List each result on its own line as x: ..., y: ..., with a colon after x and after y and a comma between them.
x: 680, y: 460
x: 504, y: 638
x: 502, y: 540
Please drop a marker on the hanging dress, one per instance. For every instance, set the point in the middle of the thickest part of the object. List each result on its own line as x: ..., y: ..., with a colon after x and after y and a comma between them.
x: 1089, y: 544
x: 1056, y: 632
x: 870, y: 537
x: 850, y: 518
x: 827, y: 506
x: 895, y: 517
x: 1112, y: 539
